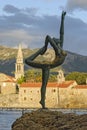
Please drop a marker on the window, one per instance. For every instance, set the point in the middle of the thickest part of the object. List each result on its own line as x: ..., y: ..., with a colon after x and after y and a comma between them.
x: 31, y: 99
x: 24, y: 91
x: 18, y: 67
x: 53, y: 90
x: 25, y: 98
x: 0, y: 89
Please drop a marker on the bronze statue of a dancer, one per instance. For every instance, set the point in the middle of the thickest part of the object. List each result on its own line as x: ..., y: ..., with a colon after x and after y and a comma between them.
x: 60, y: 55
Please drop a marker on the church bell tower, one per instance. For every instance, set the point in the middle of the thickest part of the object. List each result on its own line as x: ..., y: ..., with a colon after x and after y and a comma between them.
x: 19, y: 66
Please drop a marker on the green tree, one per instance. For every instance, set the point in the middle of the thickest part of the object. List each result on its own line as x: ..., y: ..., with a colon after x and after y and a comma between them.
x: 36, y: 76
x: 52, y: 78
x: 21, y: 80
x: 30, y: 75
x: 80, y: 78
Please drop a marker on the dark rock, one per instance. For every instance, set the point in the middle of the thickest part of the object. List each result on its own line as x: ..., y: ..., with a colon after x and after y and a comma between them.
x: 50, y: 120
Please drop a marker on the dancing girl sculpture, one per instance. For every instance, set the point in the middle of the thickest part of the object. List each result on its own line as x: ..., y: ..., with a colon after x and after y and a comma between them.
x: 60, y: 55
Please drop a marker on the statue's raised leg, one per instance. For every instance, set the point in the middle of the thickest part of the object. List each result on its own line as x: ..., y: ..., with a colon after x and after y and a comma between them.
x: 30, y: 59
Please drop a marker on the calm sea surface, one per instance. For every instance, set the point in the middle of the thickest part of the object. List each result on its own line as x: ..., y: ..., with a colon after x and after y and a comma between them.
x: 8, y: 117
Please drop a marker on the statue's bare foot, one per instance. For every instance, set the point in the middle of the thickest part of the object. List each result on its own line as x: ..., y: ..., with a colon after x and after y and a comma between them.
x: 43, y: 50
x: 42, y: 104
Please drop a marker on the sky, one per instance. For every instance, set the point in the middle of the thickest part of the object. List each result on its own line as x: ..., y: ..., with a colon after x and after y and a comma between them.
x: 27, y: 22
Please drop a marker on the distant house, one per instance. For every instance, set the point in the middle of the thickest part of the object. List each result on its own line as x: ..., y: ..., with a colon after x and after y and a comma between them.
x: 66, y: 91
x: 81, y: 96
x: 29, y: 93
x: 7, y: 84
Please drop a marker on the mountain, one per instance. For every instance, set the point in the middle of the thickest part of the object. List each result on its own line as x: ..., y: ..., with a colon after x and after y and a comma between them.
x: 73, y: 61
x: 8, y: 59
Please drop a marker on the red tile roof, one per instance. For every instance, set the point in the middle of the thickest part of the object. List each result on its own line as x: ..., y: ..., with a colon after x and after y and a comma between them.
x: 30, y: 84
x: 9, y: 81
x: 65, y: 84
x: 6, y: 78
x: 81, y: 86
x: 50, y: 84
x: 11, y: 78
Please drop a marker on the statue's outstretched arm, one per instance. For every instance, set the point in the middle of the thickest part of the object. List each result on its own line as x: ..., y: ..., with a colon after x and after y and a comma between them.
x: 62, y: 29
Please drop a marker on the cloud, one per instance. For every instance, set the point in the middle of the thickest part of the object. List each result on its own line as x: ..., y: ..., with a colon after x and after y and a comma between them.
x: 75, y: 36
x: 10, y: 9
x: 17, y: 36
x: 31, y: 11
x: 25, y: 26
x: 76, y: 4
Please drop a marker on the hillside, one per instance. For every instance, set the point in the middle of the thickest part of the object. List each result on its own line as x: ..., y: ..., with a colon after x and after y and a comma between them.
x: 73, y: 62
x: 8, y: 59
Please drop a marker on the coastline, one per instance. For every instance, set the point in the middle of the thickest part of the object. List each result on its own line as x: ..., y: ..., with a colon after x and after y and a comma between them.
x: 10, y: 115
x: 64, y: 110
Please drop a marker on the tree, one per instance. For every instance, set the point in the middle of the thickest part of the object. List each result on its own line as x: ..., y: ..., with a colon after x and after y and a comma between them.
x: 30, y: 75
x: 35, y: 75
x: 52, y: 78
x: 21, y: 80
x: 80, y: 78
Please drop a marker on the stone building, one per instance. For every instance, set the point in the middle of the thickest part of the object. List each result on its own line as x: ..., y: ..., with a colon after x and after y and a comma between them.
x: 66, y: 93
x: 7, y: 84
x: 29, y: 94
x: 19, y: 66
x: 80, y: 93
x: 60, y: 94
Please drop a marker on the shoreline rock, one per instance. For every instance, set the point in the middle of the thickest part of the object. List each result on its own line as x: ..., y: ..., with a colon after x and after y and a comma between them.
x: 50, y: 120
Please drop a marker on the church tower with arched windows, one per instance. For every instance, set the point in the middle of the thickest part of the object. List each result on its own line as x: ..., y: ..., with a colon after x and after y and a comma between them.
x: 19, y: 66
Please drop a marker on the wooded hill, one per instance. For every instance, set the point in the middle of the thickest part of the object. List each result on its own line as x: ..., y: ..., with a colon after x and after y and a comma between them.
x: 73, y: 61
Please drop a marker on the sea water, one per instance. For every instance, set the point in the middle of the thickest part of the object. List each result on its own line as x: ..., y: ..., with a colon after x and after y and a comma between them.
x: 7, y: 117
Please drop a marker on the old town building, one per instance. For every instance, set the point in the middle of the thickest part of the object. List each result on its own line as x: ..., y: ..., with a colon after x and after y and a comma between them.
x: 7, y: 84
x: 19, y: 66
x: 56, y: 93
